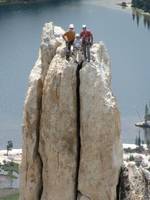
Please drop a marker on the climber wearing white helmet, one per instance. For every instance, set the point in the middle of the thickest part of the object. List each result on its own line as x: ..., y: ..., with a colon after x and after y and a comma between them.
x: 87, y: 42
x: 77, y: 41
x: 77, y: 49
x: 69, y: 37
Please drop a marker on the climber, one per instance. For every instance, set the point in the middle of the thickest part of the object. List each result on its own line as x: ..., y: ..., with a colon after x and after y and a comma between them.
x: 77, y: 42
x: 87, y: 41
x: 69, y: 37
x: 77, y: 48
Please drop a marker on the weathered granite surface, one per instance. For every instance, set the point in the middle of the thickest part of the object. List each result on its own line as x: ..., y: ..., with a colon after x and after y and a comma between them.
x: 71, y: 131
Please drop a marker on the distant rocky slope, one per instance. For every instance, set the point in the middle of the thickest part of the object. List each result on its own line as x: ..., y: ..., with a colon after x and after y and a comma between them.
x: 71, y: 131
x: 134, y: 181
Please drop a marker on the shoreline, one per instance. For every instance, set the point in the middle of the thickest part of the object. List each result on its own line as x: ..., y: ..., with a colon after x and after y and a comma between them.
x: 141, y: 11
x: 14, y: 155
x: 129, y: 5
x: 19, y: 2
x: 27, y: 2
x: 136, y: 158
x: 11, y: 2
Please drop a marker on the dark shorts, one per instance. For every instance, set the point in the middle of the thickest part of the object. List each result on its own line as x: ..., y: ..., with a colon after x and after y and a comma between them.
x: 69, y: 44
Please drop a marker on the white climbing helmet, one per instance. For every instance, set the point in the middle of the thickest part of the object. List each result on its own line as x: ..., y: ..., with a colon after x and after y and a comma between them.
x: 84, y: 26
x: 77, y: 35
x: 71, y: 26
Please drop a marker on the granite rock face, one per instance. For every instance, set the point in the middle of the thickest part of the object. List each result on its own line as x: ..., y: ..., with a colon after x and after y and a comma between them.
x: 100, y: 129
x: 71, y: 130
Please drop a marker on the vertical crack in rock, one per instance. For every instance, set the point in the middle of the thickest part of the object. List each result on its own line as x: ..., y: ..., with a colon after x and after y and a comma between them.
x: 118, y: 186
x: 78, y: 128
x: 39, y: 104
x: 80, y: 195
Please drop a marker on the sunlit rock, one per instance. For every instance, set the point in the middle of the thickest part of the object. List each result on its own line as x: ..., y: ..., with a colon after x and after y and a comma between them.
x: 71, y: 130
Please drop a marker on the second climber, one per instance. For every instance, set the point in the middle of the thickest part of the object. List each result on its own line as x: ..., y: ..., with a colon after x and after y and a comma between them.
x: 87, y: 41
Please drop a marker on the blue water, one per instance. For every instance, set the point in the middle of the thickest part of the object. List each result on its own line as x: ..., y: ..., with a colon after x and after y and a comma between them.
x: 127, y: 44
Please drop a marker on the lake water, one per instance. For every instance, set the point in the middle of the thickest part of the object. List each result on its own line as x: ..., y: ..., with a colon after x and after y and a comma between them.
x: 127, y: 41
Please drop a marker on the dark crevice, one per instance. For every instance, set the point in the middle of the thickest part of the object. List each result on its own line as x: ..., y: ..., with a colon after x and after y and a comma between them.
x: 80, y: 195
x: 123, y: 188
x: 146, y: 192
x: 39, y: 108
x: 78, y: 128
x: 118, y: 186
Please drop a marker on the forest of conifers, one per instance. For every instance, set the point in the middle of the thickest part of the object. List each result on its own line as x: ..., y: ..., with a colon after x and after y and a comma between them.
x: 142, y: 4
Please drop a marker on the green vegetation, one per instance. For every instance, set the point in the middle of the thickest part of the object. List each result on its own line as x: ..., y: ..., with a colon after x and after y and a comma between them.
x: 11, y: 197
x: 142, y: 4
x: 10, y: 167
